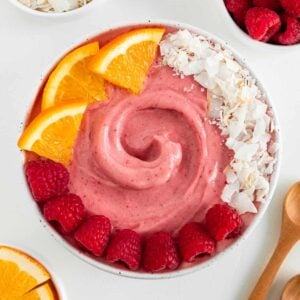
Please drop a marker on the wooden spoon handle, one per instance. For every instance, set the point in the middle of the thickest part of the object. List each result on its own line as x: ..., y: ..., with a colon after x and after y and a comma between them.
x: 263, y: 285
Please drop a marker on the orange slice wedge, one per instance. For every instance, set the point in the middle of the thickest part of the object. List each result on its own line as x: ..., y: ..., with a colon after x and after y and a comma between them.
x: 126, y: 60
x: 53, y: 132
x: 19, y: 273
x: 72, y: 81
x: 42, y: 292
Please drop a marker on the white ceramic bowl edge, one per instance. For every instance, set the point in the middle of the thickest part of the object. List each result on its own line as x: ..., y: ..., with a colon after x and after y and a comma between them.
x: 256, y: 219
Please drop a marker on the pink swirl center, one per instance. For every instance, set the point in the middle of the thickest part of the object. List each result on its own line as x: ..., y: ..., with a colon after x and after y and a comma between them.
x: 149, y: 162
x: 116, y: 159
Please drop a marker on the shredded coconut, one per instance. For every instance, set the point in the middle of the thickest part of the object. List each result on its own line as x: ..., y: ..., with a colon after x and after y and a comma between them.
x: 237, y: 107
x: 57, y: 6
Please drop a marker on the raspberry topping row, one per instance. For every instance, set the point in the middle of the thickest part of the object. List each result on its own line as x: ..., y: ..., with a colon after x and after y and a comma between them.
x: 48, y: 182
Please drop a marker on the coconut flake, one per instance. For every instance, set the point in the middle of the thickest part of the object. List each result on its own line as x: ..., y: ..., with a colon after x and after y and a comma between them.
x: 193, y: 67
x: 243, y: 203
x: 215, y: 106
x: 236, y: 106
x: 229, y: 190
x: 63, y: 5
x: 245, y: 151
x: 230, y: 174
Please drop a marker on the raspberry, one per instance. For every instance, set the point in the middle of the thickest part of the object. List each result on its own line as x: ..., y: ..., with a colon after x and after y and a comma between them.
x: 271, y: 4
x: 234, y: 233
x: 262, y: 23
x: 66, y: 210
x: 238, y: 9
x: 160, y: 253
x: 291, y: 34
x: 239, y: 18
x: 292, y: 7
x: 223, y: 221
x: 46, y: 179
x: 235, y: 6
x: 94, y: 234
x: 125, y: 247
x: 194, y: 241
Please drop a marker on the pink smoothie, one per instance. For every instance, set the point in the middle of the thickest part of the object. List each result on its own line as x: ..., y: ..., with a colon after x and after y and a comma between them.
x: 152, y: 161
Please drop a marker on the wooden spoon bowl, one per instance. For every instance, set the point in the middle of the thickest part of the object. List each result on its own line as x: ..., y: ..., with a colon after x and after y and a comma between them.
x: 292, y: 205
x: 290, y: 234
x: 292, y: 289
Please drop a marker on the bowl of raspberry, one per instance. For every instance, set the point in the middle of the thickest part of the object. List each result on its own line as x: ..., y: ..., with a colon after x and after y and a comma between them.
x: 152, y: 155
x: 268, y: 23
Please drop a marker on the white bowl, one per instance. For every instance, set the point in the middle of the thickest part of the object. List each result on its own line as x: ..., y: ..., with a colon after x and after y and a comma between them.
x: 54, y: 276
x: 245, y: 38
x: 72, y: 13
x: 192, y: 267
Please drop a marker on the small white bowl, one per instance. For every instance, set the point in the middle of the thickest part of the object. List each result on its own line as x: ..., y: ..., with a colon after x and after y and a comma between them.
x: 53, y: 15
x: 55, y: 278
x: 191, y: 267
x: 245, y: 38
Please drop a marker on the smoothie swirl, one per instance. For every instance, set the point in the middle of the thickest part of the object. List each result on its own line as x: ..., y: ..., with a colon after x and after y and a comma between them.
x: 136, y: 167
x: 152, y: 161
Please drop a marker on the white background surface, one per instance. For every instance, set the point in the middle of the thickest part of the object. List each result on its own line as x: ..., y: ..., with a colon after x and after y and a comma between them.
x: 28, y: 45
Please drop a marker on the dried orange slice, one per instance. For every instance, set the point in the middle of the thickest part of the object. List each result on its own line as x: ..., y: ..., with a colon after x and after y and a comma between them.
x: 126, y: 60
x: 53, y: 132
x: 19, y: 273
x: 72, y: 81
x: 42, y: 292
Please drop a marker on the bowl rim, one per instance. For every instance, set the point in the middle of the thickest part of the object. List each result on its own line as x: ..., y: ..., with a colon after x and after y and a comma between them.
x: 247, y: 39
x: 274, y: 178
x: 43, y: 261
x: 53, y: 15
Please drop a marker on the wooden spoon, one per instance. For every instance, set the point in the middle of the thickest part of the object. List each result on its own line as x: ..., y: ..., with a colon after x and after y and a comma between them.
x: 290, y: 234
x: 292, y: 289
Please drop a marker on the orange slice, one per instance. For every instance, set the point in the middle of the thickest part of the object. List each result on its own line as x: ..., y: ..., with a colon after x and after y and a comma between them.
x: 126, y: 60
x: 42, y: 292
x: 19, y: 273
x: 53, y: 132
x: 72, y: 81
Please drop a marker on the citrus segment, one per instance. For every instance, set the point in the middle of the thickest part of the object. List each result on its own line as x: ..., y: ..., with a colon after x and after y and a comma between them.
x: 53, y: 132
x: 43, y: 292
x: 72, y: 81
x: 19, y: 273
x: 126, y: 60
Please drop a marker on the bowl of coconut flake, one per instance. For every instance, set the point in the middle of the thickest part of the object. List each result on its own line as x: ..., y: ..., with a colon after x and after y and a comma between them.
x: 55, y: 8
